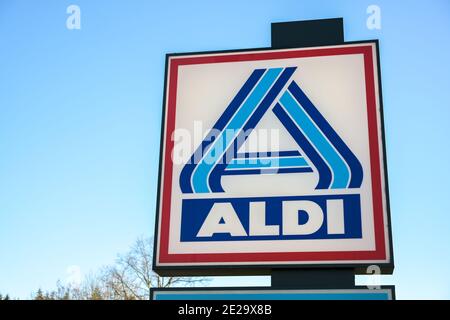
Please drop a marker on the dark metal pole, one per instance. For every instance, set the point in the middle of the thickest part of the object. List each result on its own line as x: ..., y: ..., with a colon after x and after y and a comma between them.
x: 307, y: 33
x: 313, y: 278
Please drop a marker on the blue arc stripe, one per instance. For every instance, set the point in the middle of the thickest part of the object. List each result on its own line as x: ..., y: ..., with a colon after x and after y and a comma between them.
x: 214, y: 178
x: 333, y: 137
x: 267, y: 163
x: 202, y: 170
x: 186, y: 173
x: 267, y: 171
x: 288, y: 153
x: 341, y: 174
x: 324, y: 171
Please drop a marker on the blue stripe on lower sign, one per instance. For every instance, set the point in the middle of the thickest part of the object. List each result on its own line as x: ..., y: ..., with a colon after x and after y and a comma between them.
x: 366, y: 295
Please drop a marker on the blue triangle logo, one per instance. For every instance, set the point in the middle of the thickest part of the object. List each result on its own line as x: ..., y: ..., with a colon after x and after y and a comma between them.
x: 271, y: 90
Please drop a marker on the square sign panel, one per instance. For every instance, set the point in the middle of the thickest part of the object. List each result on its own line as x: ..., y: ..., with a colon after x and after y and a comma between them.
x: 272, y: 158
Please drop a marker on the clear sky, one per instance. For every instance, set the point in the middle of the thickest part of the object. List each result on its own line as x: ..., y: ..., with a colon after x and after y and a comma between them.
x: 80, y: 125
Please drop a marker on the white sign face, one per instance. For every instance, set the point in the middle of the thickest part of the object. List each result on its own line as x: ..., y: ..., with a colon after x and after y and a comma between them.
x: 273, y: 157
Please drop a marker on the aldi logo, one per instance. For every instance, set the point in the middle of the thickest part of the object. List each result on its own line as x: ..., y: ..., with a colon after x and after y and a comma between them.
x: 272, y: 157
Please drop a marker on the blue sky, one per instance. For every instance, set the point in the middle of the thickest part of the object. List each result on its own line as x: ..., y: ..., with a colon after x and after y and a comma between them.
x: 80, y: 125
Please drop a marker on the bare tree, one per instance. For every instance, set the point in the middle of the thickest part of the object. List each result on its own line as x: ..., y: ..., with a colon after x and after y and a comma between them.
x: 130, y: 278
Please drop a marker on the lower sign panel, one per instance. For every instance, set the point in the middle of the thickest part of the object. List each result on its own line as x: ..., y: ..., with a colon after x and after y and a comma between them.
x: 261, y: 293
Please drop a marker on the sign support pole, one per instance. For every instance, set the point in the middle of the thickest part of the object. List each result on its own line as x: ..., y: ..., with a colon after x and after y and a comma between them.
x: 298, y: 34
x: 313, y: 278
